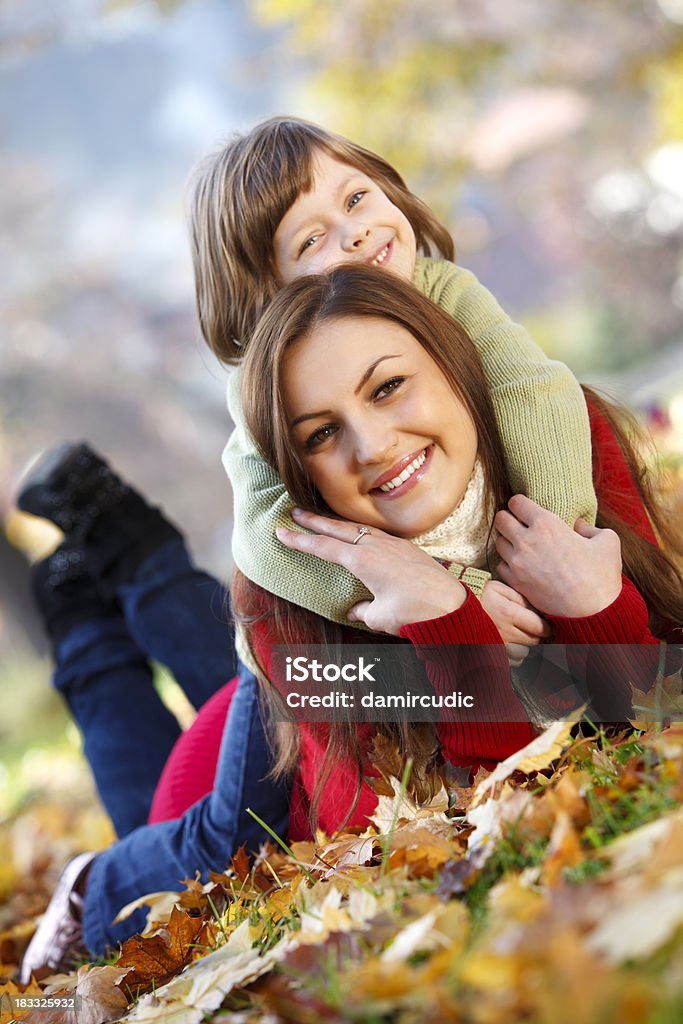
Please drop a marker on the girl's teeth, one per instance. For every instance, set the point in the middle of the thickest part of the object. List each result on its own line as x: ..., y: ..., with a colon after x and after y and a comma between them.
x: 379, y: 259
x: 408, y: 471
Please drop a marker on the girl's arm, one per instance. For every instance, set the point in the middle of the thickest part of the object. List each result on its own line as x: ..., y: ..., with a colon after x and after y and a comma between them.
x: 261, y: 505
x: 540, y: 409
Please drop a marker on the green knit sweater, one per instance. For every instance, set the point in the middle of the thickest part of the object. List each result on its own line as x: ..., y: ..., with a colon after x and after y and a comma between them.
x: 541, y: 416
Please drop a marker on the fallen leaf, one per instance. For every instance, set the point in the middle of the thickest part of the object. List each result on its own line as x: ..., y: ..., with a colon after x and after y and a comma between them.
x: 402, y: 809
x: 100, y: 1000
x: 202, y: 987
x: 534, y: 757
x: 564, y: 849
x: 156, y: 957
x: 638, y: 926
x: 661, y: 703
x: 161, y: 905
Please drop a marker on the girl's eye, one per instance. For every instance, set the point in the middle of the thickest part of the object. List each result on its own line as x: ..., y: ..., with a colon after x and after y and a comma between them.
x: 354, y: 200
x: 308, y: 243
x: 319, y: 436
x: 388, y: 387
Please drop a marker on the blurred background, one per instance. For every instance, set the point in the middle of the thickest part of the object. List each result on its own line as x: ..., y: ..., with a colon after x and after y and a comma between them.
x: 547, y: 135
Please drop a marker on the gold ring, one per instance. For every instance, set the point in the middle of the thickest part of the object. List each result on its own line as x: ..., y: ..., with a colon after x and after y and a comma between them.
x: 363, y: 532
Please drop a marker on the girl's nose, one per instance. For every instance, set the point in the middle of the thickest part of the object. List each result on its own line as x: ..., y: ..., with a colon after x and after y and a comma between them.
x: 354, y: 237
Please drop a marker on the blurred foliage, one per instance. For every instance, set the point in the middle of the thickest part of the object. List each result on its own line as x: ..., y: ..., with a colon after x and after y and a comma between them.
x: 665, y: 82
x: 422, y: 85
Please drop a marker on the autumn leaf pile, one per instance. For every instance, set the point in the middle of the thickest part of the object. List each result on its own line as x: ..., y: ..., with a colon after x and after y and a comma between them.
x: 550, y: 890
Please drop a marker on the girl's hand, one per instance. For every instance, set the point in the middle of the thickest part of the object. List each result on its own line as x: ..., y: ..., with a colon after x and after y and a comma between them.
x: 407, y: 584
x: 558, y: 570
x: 518, y: 624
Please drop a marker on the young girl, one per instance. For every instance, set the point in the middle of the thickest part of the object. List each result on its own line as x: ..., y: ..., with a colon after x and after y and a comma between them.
x: 289, y: 199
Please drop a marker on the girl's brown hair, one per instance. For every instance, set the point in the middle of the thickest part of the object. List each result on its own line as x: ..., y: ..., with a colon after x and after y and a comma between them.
x: 238, y: 197
x: 303, y: 307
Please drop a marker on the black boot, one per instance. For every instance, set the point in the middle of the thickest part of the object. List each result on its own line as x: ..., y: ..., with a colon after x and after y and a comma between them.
x: 113, y: 524
x: 65, y: 591
x: 71, y: 486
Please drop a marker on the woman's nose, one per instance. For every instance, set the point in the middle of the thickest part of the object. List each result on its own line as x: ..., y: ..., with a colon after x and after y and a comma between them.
x: 373, y: 445
x: 354, y: 237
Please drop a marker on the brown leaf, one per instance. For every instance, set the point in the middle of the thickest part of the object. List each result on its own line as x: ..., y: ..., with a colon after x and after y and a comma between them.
x: 385, y: 756
x: 240, y: 865
x: 157, y: 957
x: 100, y: 999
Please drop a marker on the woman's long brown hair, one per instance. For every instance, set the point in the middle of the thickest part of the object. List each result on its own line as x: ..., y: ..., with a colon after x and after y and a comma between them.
x: 303, y: 307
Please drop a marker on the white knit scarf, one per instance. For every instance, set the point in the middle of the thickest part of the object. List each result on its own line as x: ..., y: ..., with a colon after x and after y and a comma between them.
x: 464, y: 535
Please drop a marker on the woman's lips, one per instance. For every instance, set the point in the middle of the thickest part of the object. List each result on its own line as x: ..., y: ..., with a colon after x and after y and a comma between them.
x: 422, y: 455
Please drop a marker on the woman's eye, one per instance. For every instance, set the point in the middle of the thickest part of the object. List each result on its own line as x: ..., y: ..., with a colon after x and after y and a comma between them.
x: 354, y: 200
x: 388, y: 387
x: 319, y: 436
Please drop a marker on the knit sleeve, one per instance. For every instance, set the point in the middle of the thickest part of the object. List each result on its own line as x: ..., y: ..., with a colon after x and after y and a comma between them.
x: 539, y: 406
x: 464, y: 652
x: 614, y: 650
x: 261, y: 504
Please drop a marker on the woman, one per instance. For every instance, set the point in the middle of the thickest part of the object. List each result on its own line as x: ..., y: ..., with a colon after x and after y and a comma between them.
x: 401, y: 443
x: 396, y: 456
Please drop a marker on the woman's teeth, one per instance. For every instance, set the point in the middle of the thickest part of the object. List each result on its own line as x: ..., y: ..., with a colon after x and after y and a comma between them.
x: 408, y: 471
x: 380, y: 257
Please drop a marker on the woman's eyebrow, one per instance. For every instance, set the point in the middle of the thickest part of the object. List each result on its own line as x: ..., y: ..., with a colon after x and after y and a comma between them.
x: 371, y: 369
x: 309, y: 416
x: 328, y: 412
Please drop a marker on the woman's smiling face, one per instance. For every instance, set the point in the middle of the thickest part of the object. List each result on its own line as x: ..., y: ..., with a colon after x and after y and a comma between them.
x: 378, y: 428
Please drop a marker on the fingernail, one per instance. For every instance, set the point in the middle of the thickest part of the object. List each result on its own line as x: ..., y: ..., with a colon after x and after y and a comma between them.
x: 281, y: 532
x: 297, y: 511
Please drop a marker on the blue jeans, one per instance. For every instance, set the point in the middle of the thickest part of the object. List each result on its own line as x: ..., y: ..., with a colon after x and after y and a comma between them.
x: 174, y: 614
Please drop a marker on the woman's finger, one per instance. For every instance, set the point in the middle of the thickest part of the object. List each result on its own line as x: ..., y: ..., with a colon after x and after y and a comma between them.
x: 507, y: 525
x: 504, y: 548
x: 341, y: 529
x: 358, y: 612
x: 331, y: 549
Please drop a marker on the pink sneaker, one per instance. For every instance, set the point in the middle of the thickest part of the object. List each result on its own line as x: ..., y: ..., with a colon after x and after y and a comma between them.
x: 58, y: 940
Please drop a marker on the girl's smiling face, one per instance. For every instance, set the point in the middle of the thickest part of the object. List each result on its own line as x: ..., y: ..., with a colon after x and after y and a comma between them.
x: 377, y: 426
x: 345, y: 218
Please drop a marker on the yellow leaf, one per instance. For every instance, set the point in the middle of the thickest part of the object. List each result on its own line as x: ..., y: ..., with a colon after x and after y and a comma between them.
x: 564, y: 849
x: 534, y: 757
x: 160, y: 903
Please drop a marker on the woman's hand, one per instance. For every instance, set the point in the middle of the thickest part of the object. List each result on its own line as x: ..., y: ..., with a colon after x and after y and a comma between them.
x: 559, y: 571
x: 407, y: 584
x: 518, y: 624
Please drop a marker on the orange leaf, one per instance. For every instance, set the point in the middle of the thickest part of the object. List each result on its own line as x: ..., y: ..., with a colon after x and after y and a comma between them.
x: 157, y: 957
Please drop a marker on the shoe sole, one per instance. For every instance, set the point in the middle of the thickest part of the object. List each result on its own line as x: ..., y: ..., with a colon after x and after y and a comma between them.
x: 39, y: 948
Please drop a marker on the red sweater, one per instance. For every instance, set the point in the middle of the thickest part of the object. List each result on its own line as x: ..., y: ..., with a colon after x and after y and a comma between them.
x: 503, y: 726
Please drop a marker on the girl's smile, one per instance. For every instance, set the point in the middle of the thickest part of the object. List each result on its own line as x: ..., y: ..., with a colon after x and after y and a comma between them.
x: 346, y: 217
x: 377, y: 426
